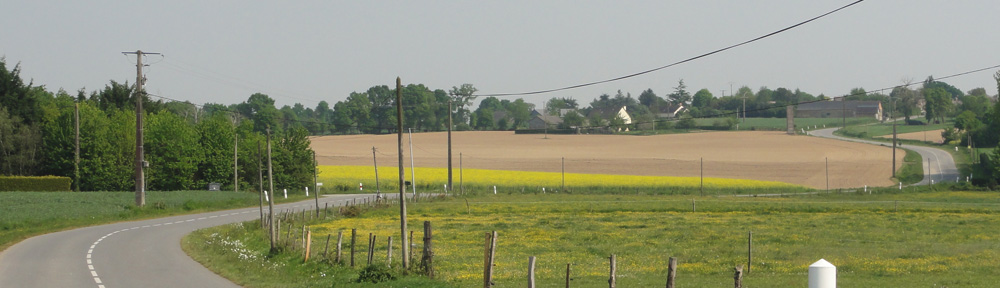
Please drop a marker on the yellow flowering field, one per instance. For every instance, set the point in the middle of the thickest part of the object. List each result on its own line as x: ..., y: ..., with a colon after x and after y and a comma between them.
x: 874, y: 243
x: 348, y: 178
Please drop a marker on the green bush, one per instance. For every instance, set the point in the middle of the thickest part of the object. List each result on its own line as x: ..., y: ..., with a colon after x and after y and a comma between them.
x: 375, y: 274
x: 35, y: 183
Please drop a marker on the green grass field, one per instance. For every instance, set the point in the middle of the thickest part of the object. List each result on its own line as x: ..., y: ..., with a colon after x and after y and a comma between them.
x: 779, y: 123
x: 882, y: 129
x: 884, y: 239
x: 27, y: 214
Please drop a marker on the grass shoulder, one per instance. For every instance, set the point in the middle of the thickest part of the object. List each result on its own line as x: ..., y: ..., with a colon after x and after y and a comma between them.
x: 27, y: 214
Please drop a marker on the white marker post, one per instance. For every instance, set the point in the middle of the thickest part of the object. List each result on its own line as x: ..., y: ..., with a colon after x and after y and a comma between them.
x: 494, y: 189
x: 361, y: 186
x: 822, y: 274
x: 286, y: 193
x: 307, y: 191
x: 266, y: 199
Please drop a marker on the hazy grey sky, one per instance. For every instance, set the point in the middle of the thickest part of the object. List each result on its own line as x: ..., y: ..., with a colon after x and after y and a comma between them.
x: 307, y: 51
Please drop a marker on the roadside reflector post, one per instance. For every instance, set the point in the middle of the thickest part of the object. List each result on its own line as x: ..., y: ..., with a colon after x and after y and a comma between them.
x: 822, y: 274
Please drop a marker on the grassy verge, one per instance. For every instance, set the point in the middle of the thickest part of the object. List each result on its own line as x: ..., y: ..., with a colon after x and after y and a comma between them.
x: 913, y: 168
x: 882, y: 129
x: 779, y: 124
x: 27, y: 214
x: 241, y: 253
x: 887, y: 238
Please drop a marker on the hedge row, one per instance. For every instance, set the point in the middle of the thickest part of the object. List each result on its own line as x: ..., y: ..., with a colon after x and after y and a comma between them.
x: 35, y: 183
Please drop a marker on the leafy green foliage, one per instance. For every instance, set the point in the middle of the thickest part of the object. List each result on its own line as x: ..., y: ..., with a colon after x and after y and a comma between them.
x: 375, y: 274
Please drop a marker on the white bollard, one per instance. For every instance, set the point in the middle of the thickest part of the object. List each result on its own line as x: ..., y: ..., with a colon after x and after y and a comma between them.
x: 900, y: 185
x: 361, y: 186
x: 866, y: 189
x: 822, y: 274
x: 307, y: 191
x: 286, y: 193
x: 266, y: 199
x: 494, y: 189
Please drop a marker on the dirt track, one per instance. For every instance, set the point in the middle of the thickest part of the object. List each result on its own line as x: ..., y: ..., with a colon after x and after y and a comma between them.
x: 742, y: 155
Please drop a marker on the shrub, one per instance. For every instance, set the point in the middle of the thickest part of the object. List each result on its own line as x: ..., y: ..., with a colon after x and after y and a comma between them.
x: 34, y: 183
x: 375, y: 274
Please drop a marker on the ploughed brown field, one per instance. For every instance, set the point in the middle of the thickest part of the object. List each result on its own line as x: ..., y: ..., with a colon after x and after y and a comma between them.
x: 772, y: 156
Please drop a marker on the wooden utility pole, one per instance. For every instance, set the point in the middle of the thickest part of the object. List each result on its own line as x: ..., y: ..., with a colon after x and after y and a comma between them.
x: 402, y: 175
x: 449, y: 145
x: 236, y: 163
x: 892, y: 115
x: 76, y: 152
x: 316, y: 183
x: 461, y: 175
x: 413, y: 171
x: 270, y: 200
x: 378, y: 192
x: 140, y: 182
x: 260, y: 183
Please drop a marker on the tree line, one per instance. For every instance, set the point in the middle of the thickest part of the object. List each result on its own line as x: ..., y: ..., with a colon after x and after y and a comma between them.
x: 186, y: 147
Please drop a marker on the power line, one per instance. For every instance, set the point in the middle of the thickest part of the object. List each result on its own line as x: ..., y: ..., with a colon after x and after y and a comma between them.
x: 675, y: 63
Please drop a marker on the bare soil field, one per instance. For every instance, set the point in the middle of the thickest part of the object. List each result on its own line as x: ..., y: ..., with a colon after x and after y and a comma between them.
x: 772, y: 156
x: 933, y: 136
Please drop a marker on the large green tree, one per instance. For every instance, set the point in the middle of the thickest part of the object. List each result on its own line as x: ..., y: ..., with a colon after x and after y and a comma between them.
x: 938, y: 104
x: 173, y: 152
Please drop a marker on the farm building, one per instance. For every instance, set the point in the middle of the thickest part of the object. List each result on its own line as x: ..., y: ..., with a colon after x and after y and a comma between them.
x: 670, y: 111
x: 544, y: 121
x: 837, y: 109
x: 611, y: 113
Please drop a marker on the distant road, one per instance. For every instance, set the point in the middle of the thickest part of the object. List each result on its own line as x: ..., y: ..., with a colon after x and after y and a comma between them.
x: 129, y: 254
x: 942, y: 165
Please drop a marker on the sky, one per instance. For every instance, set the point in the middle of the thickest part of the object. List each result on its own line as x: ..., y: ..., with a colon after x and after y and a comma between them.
x: 311, y: 51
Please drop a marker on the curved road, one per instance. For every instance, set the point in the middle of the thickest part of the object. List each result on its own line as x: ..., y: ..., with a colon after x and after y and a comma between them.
x: 129, y: 254
x: 942, y: 165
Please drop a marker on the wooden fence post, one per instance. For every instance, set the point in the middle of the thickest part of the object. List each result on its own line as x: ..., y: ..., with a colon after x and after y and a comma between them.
x: 340, y: 237
x: 749, y: 250
x: 388, y: 255
x: 326, y: 248
x: 308, y: 245
x: 611, y: 281
x: 411, y: 247
x: 371, y: 247
x: 738, y: 276
x: 491, y: 243
x: 671, y: 272
x: 354, y: 237
x: 567, y: 274
x: 428, y: 258
x: 303, y: 236
x: 531, y: 272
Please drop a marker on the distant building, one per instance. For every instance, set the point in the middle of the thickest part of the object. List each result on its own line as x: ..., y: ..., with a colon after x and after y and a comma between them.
x: 670, y: 111
x: 838, y: 109
x: 610, y: 113
x: 544, y: 121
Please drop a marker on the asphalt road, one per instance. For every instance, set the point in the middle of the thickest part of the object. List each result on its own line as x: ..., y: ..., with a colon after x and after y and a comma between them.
x: 938, y: 162
x: 129, y: 254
